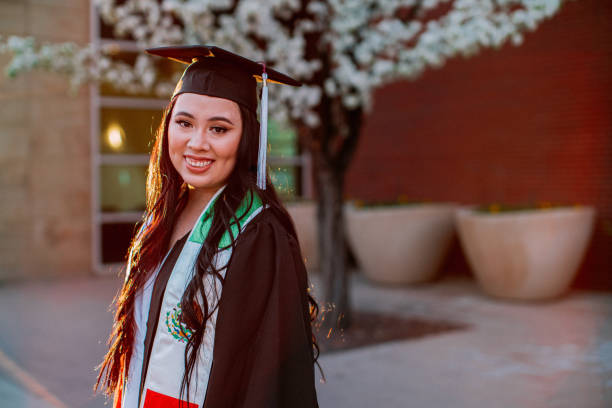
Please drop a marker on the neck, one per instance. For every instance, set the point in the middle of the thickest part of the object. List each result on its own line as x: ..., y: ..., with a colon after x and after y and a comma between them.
x: 198, y: 199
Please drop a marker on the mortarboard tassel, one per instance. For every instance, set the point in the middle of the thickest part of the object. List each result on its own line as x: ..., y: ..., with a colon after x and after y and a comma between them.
x: 263, y: 133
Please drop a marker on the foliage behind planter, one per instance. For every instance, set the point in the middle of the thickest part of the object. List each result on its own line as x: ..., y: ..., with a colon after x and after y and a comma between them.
x: 495, y: 208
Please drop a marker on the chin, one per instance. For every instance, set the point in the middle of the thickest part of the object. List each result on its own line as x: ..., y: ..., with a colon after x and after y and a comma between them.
x: 199, y: 183
x: 206, y: 181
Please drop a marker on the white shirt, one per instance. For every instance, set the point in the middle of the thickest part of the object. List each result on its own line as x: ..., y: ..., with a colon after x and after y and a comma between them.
x: 142, y: 303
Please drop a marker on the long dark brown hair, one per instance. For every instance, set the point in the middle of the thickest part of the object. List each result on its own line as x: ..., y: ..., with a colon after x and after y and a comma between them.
x: 166, y: 197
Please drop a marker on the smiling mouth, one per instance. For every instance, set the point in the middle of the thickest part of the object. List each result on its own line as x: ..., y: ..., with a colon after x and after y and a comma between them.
x: 198, y: 163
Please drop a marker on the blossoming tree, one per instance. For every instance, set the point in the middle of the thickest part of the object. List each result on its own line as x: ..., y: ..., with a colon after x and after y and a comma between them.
x: 340, y: 49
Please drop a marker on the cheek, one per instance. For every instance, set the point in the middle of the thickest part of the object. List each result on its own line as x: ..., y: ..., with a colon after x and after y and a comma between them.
x: 230, y: 148
x: 175, y: 146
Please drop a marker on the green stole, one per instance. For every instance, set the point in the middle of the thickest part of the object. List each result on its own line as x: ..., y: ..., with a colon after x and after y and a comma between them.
x: 162, y: 380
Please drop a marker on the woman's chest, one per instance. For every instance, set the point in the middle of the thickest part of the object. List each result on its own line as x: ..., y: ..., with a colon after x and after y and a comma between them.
x: 182, y: 226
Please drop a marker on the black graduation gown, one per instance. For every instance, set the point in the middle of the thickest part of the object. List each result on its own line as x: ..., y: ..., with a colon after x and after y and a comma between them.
x: 262, y: 353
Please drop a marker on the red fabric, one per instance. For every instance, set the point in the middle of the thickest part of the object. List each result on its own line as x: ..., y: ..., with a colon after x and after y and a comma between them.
x: 157, y: 400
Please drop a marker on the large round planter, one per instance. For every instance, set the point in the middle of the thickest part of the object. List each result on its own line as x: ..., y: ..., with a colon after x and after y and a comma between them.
x: 304, y: 215
x: 400, y: 244
x: 529, y: 254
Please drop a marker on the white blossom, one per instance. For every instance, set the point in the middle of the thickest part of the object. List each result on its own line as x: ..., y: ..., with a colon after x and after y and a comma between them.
x: 363, y: 43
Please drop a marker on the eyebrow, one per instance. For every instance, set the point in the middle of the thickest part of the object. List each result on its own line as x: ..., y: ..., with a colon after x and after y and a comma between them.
x: 214, y: 118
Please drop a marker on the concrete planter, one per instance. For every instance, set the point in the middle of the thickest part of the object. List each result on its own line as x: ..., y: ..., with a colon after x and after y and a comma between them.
x: 529, y: 254
x: 304, y: 215
x: 400, y: 244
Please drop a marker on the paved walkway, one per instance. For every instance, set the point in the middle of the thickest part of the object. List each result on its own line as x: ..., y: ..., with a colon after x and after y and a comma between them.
x: 12, y: 394
x: 549, y: 354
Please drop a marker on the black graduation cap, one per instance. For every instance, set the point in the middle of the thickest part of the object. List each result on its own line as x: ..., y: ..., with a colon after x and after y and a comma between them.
x: 214, y: 71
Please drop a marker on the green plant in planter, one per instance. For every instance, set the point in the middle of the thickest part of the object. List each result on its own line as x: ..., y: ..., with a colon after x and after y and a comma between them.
x: 401, y: 200
x: 495, y: 208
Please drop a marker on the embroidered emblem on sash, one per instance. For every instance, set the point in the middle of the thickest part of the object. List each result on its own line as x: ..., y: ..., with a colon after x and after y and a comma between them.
x: 176, y: 328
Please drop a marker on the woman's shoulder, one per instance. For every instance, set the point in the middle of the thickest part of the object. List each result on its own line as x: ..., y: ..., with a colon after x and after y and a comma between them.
x: 272, y: 217
x: 270, y: 222
x: 267, y: 246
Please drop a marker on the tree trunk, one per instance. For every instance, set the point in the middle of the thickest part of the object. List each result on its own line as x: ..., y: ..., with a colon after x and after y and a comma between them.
x: 332, y: 147
x: 332, y: 246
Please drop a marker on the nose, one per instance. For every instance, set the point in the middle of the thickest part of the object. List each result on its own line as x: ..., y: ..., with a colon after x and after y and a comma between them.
x: 199, y: 140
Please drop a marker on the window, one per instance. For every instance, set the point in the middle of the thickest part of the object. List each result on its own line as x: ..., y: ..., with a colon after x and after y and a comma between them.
x: 285, y: 162
x: 123, y: 128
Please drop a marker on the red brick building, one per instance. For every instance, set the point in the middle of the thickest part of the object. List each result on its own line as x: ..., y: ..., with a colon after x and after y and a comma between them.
x: 518, y: 125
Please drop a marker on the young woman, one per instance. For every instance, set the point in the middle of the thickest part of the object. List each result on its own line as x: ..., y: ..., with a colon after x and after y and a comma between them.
x: 215, y: 310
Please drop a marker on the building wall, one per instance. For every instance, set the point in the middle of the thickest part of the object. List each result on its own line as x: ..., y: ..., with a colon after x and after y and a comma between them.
x: 45, y: 221
x: 521, y: 124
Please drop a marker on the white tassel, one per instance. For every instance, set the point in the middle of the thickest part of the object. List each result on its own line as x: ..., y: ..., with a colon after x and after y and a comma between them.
x: 263, y: 135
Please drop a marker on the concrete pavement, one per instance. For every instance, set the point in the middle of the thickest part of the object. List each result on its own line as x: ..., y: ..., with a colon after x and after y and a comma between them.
x: 13, y: 394
x: 546, y: 354
x: 540, y: 354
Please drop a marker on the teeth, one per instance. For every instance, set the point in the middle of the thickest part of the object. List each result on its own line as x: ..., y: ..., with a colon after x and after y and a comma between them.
x: 198, y: 163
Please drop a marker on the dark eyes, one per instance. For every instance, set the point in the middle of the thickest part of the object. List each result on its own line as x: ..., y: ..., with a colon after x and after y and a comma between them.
x: 183, y: 123
x: 215, y: 129
x: 218, y: 129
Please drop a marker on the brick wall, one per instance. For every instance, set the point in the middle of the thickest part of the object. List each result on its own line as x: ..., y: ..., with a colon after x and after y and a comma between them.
x: 45, y: 221
x: 521, y: 124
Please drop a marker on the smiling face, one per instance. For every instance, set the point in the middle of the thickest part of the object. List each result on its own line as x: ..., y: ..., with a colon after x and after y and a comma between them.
x: 203, y: 138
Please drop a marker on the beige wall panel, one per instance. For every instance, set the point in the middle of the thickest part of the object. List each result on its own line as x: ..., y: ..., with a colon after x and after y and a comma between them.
x: 78, y: 4
x: 58, y: 245
x: 59, y: 187
x: 56, y: 108
x: 68, y: 141
x: 72, y: 205
x: 45, y: 84
x: 14, y: 204
x: 14, y: 112
x: 60, y: 128
x: 14, y: 235
x: 13, y: 17
x: 54, y: 23
x: 13, y: 172
x: 10, y: 88
x: 14, y: 142
x: 61, y: 220
x: 57, y: 242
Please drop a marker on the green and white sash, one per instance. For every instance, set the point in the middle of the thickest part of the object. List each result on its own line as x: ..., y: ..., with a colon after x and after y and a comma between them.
x: 166, y: 362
